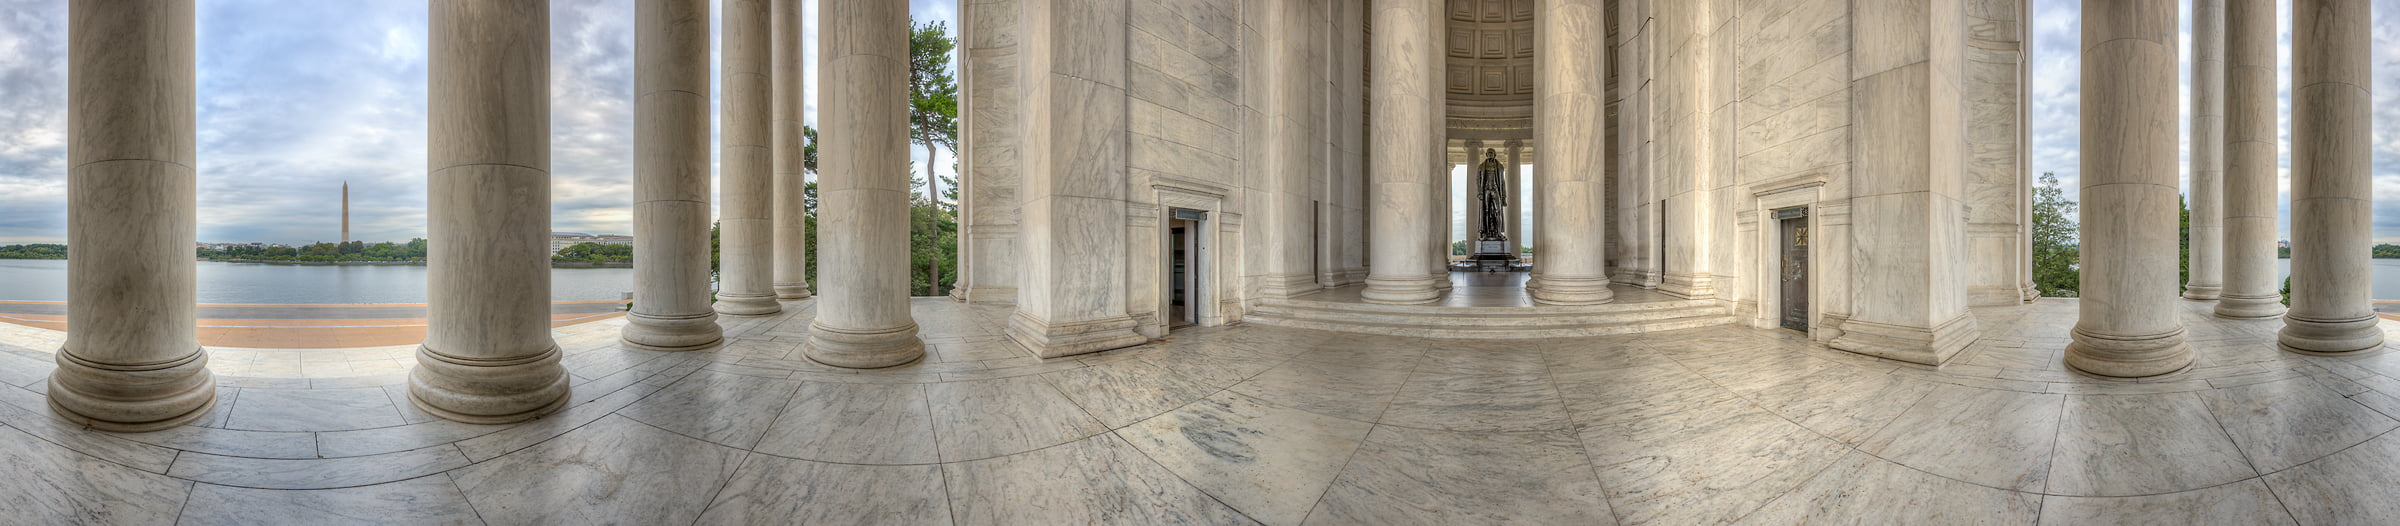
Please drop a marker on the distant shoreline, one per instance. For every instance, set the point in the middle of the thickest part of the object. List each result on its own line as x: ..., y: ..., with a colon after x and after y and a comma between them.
x: 553, y: 264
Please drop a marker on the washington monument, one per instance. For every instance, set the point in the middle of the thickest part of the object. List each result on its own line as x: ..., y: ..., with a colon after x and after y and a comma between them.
x: 345, y: 212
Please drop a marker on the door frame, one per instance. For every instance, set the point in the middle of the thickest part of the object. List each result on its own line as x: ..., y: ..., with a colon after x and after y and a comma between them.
x: 1801, y: 191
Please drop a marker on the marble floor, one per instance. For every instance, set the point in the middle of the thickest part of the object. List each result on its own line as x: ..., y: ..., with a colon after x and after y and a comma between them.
x: 1256, y: 424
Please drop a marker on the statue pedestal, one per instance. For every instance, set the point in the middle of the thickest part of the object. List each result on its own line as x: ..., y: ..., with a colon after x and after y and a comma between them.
x: 1491, y: 255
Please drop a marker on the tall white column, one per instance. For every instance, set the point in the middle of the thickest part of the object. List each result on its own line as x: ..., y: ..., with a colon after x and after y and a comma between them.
x: 2208, y: 151
x: 2251, y: 290
x: 132, y: 361
x: 1516, y: 196
x: 862, y: 188
x: 1295, y: 146
x: 746, y: 281
x: 2333, y: 187
x: 2128, y: 324
x: 670, y: 188
x: 488, y: 357
x: 1473, y: 229
x: 1404, y: 61
x: 1569, y: 111
x: 790, y: 144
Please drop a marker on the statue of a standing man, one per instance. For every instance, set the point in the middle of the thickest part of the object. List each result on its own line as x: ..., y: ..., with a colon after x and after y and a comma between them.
x: 1493, y: 189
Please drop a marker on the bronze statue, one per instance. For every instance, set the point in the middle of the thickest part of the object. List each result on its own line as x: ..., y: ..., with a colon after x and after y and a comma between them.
x: 1494, y: 192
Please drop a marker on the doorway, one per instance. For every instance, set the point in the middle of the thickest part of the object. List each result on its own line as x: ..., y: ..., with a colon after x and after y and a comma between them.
x: 1185, y: 277
x: 1793, y: 225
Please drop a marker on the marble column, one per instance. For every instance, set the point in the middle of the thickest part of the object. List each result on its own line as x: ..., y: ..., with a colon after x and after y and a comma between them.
x: 1295, y: 146
x: 2208, y: 150
x: 488, y: 357
x: 2333, y: 187
x: 132, y: 360
x: 1403, y: 59
x: 1077, y: 181
x: 1474, y: 198
x: 670, y: 187
x: 790, y: 143
x: 1569, y: 108
x: 2128, y: 324
x: 862, y: 188
x: 2251, y: 290
x: 1516, y: 196
x: 746, y: 278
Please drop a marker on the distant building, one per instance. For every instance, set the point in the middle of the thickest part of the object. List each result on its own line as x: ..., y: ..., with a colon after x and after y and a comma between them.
x: 562, y: 240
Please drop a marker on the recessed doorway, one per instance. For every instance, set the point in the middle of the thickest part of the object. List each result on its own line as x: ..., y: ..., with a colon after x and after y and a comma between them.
x: 1793, y: 225
x: 1186, y: 280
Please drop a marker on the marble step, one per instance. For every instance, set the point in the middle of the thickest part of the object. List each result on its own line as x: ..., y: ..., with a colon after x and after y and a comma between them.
x: 1593, y: 327
x: 1486, y: 316
x: 1609, y: 308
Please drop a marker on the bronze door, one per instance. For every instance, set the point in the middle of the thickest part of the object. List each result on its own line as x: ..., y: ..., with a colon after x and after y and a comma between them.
x: 1795, y: 273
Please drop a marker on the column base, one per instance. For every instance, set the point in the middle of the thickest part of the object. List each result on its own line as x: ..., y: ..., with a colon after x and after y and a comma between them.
x: 1049, y: 340
x: 863, y: 349
x: 132, y: 399
x: 2031, y: 292
x: 2128, y: 356
x: 477, y: 391
x: 791, y: 291
x: 1919, y: 345
x: 651, y: 332
x: 1289, y: 285
x: 2237, y: 307
x: 2329, y: 337
x: 1688, y: 286
x: 1573, y: 291
x: 2202, y: 292
x: 747, y: 305
x: 1400, y: 291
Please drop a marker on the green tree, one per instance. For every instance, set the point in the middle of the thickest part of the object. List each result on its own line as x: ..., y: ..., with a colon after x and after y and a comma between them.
x: 932, y: 122
x: 2056, y: 252
x: 34, y: 251
x: 2183, y: 262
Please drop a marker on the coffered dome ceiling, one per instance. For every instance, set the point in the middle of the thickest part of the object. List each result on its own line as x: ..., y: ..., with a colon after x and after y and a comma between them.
x: 1490, y: 68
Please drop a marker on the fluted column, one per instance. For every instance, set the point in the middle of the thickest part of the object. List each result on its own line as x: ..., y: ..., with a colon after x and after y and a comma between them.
x: 1569, y: 107
x: 790, y: 152
x: 2333, y: 188
x: 2208, y: 151
x: 2128, y: 324
x: 2251, y: 290
x: 1403, y: 60
x: 746, y: 282
x: 1516, y: 197
x: 132, y: 361
x: 488, y: 357
x: 670, y: 188
x: 862, y: 188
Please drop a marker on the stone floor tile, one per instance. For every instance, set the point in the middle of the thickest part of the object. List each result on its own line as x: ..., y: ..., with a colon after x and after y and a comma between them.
x: 2111, y: 445
x: 775, y: 490
x: 856, y: 424
x: 1861, y: 489
x: 2001, y: 439
x: 1123, y: 392
x: 2286, y: 423
x: 1457, y: 402
x: 1415, y: 476
x: 1096, y: 480
x: 1703, y: 461
x: 319, y: 473
x: 2244, y: 502
x: 729, y: 409
x: 614, y: 471
x: 1845, y: 403
x: 990, y: 418
x: 2359, y: 485
x: 49, y: 484
x: 313, y: 410
x: 1269, y: 462
x: 1356, y: 393
x: 431, y: 500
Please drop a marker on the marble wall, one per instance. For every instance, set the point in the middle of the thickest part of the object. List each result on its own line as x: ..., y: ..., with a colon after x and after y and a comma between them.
x: 988, y: 60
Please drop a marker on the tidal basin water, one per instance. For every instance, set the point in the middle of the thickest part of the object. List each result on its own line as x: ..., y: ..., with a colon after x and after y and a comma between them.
x: 263, y: 283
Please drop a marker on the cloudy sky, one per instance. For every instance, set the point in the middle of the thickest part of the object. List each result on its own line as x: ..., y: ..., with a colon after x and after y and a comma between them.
x: 298, y: 96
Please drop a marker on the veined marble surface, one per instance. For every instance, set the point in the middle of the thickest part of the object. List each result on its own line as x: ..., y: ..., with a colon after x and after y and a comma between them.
x: 1256, y: 424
